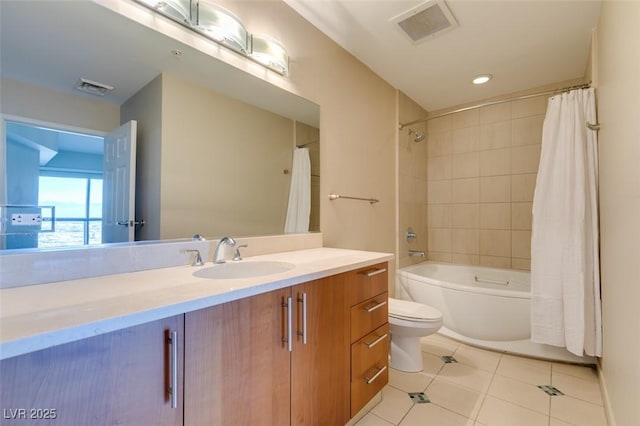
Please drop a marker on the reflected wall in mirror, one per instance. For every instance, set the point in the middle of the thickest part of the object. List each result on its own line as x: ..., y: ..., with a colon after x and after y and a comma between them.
x: 215, y: 144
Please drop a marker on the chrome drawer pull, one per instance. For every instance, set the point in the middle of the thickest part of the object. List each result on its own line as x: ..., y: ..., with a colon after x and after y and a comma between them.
x: 376, y: 306
x: 371, y: 379
x: 375, y: 272
x: 375, y: 342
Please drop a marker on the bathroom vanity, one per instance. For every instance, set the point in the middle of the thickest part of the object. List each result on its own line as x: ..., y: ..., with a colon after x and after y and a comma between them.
x: 166, y: 347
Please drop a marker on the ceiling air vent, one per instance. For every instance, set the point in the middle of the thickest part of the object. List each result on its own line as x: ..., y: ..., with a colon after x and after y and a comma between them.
x: 426, y: 20
x: 93, y: 87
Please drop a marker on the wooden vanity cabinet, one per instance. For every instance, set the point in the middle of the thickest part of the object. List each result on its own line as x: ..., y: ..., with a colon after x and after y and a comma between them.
x: 241, y: 369
x: 119, y: 378
x: 370, y: 339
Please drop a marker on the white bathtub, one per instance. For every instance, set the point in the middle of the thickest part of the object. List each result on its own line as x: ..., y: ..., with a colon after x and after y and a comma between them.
x: 481, y: 306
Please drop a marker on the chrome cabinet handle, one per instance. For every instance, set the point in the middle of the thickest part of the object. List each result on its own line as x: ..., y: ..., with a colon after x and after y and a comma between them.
x: 303, y: 300
x: 376, y: 306
x: 173, y: 368
x: 375, y: 272
x: 287, y: 339
x: 375, y: 342
x: 371, y: 379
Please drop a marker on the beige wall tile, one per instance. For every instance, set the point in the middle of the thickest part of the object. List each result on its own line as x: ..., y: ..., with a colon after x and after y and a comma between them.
x: 465, y: 216
x: 527, y: 131
x: 465, y: 190
x: 407, y: 188
x: 440, y: 124
x: 465, y: 119
x: 439, y: 216
x: 495, y: 243
x: 522, y: 264
x: 465, y: 140
x: 493, y: 113
x: 495, y: 189
x: 521, y: 216
x: 529, y: 107
x: 466, y: 241
x: 466, y: 165
x: 521, y: 244
x: 495, y: 135
x: 495, y: 216
x: 465, y: 259
x: 439, y: 192
x: 525, y: 159
x: 439, y: 240
x: 439, y: 168
x: 439, y: 257
x: 495, y: 162
x: 439, y: 144
x: 523, y: 187
x: 496, y: 261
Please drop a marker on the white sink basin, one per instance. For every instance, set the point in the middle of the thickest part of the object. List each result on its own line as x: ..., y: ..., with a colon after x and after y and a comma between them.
x: 243, y: 269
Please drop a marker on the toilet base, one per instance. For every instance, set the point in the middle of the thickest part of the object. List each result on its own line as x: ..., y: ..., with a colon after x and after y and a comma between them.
x: 406, y: 354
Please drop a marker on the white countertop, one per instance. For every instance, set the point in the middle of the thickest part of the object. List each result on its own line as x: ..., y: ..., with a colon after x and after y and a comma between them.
x: 40, y: 316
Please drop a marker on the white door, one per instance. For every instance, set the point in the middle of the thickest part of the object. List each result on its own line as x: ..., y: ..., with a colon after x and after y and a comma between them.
x: 119, y: 182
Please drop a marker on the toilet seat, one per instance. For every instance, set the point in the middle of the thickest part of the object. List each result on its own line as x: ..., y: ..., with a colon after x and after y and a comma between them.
x: 412, y: 311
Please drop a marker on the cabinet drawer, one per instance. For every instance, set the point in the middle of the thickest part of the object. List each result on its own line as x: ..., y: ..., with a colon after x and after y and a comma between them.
x: 364, y: 283
x: 371, y: 350
x: 369, y: 315
x: 369, y: 372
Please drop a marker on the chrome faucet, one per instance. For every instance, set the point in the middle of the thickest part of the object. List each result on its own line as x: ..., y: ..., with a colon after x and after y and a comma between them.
x: 219, y: 255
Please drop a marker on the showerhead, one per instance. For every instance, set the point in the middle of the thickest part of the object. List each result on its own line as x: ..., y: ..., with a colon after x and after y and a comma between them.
x: 419, y: 136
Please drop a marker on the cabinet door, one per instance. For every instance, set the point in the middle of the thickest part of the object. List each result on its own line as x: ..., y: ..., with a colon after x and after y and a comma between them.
x: 116, y: 378
x: 237, y: 365
x: 320, y: 368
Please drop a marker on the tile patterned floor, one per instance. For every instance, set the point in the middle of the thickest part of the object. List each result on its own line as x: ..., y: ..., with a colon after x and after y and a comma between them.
x: 487, y: 388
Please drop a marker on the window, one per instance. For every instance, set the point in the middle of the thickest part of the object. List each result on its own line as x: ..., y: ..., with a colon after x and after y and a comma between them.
x: 78, y: 201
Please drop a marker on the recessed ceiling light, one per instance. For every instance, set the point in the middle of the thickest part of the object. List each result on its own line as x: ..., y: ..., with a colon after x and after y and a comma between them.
x: 481, y: 79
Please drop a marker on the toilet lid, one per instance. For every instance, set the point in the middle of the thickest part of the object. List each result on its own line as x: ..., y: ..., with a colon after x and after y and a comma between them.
x: 412, y: 310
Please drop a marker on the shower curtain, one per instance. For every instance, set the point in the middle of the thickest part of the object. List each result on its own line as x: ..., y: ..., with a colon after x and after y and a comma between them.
x: 300, y: 193
x: 565, y: 274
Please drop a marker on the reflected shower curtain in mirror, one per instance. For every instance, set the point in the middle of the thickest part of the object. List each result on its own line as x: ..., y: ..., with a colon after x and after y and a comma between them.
x: 565, y: 274
x: 300, y: 193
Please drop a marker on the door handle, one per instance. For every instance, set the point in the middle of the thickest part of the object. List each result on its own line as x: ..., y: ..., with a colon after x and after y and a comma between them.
x: 131, y: 223
x: 303, y: 300
x: 287, y: 314
x: 172, y: 390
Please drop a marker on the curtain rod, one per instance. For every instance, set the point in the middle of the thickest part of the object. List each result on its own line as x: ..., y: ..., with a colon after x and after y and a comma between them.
x: 517, y: 98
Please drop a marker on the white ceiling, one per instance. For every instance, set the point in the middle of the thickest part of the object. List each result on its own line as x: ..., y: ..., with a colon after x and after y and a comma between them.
x: 522, y: 43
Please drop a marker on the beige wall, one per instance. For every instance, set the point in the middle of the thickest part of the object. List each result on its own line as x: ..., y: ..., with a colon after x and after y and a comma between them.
x: 412, y: 182
x: 618, y: 87
x: 357, y: 126
x: 482, y: 167
x: 39, y: 103
x: 213, y: 165
x: 146, y: 108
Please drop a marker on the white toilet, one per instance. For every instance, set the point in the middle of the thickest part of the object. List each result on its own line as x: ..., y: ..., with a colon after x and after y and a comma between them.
x: 408, y: 322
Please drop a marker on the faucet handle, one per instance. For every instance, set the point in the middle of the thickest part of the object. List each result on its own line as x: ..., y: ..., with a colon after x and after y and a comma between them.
x: 197, y: 261
x: 236, y: 254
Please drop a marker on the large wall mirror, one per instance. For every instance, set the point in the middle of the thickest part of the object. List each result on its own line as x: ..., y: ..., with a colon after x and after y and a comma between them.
x: 214, y: 144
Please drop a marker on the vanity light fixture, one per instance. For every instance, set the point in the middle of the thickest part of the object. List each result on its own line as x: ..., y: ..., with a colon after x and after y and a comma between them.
x: 270, y: 53
x: 178, y: 10
x: 223, y: 27
x: 220, y: 25
x: 482, y: 79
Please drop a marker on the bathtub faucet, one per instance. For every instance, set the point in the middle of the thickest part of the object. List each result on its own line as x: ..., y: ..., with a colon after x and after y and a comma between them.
x: 416, y: 253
